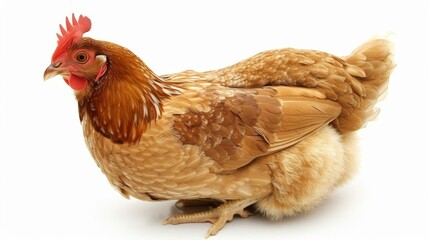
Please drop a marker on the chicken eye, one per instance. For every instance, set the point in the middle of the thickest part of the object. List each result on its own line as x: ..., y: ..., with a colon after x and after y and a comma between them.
x: 82, y: 57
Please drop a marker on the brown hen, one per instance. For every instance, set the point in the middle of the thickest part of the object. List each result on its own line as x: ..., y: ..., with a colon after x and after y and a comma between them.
x: 275, y: 131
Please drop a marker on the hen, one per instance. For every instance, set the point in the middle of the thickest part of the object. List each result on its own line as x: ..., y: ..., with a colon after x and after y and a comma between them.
x: 275, y: 131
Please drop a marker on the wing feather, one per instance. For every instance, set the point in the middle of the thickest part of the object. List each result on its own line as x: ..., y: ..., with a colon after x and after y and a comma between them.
x: 240, y: 125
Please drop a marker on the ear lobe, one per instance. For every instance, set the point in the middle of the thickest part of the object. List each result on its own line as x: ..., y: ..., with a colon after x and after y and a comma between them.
x: 101, y: 60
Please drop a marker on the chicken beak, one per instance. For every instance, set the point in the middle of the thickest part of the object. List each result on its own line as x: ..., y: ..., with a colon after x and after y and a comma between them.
x: 52, y: 71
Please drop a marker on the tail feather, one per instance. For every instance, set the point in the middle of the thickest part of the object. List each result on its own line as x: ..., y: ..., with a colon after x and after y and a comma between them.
x: 371, y: 65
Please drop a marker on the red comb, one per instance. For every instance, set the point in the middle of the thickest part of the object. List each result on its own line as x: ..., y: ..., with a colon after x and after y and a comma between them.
x: 74, y: 32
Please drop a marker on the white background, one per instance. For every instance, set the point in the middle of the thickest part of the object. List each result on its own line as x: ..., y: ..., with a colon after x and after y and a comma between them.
x: 52, y: 189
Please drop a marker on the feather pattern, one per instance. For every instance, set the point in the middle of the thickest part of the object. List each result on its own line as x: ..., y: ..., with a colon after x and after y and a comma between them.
x: 249, y: 123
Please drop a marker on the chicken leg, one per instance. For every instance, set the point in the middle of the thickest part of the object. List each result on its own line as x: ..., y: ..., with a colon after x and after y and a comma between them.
x: 189, y: 204
x: 217, y: 216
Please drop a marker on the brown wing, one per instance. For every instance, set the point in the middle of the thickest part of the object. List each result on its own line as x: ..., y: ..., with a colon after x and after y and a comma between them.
x: 242, y: 124
x: 330, y: 74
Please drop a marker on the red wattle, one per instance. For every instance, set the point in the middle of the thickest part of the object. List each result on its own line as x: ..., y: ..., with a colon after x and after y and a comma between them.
x: 77, y: 83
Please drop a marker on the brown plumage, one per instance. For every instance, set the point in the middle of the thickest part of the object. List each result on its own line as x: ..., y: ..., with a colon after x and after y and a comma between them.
x: 275, y: 131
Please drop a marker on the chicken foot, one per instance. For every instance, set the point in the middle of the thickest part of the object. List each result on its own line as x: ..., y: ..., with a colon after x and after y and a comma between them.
x: 217, y: 216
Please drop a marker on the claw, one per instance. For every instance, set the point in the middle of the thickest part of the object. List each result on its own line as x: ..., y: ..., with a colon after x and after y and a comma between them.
x: 218, y: 225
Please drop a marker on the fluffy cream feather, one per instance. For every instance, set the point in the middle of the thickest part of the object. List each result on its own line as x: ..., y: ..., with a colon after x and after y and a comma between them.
x: 304, y: 174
